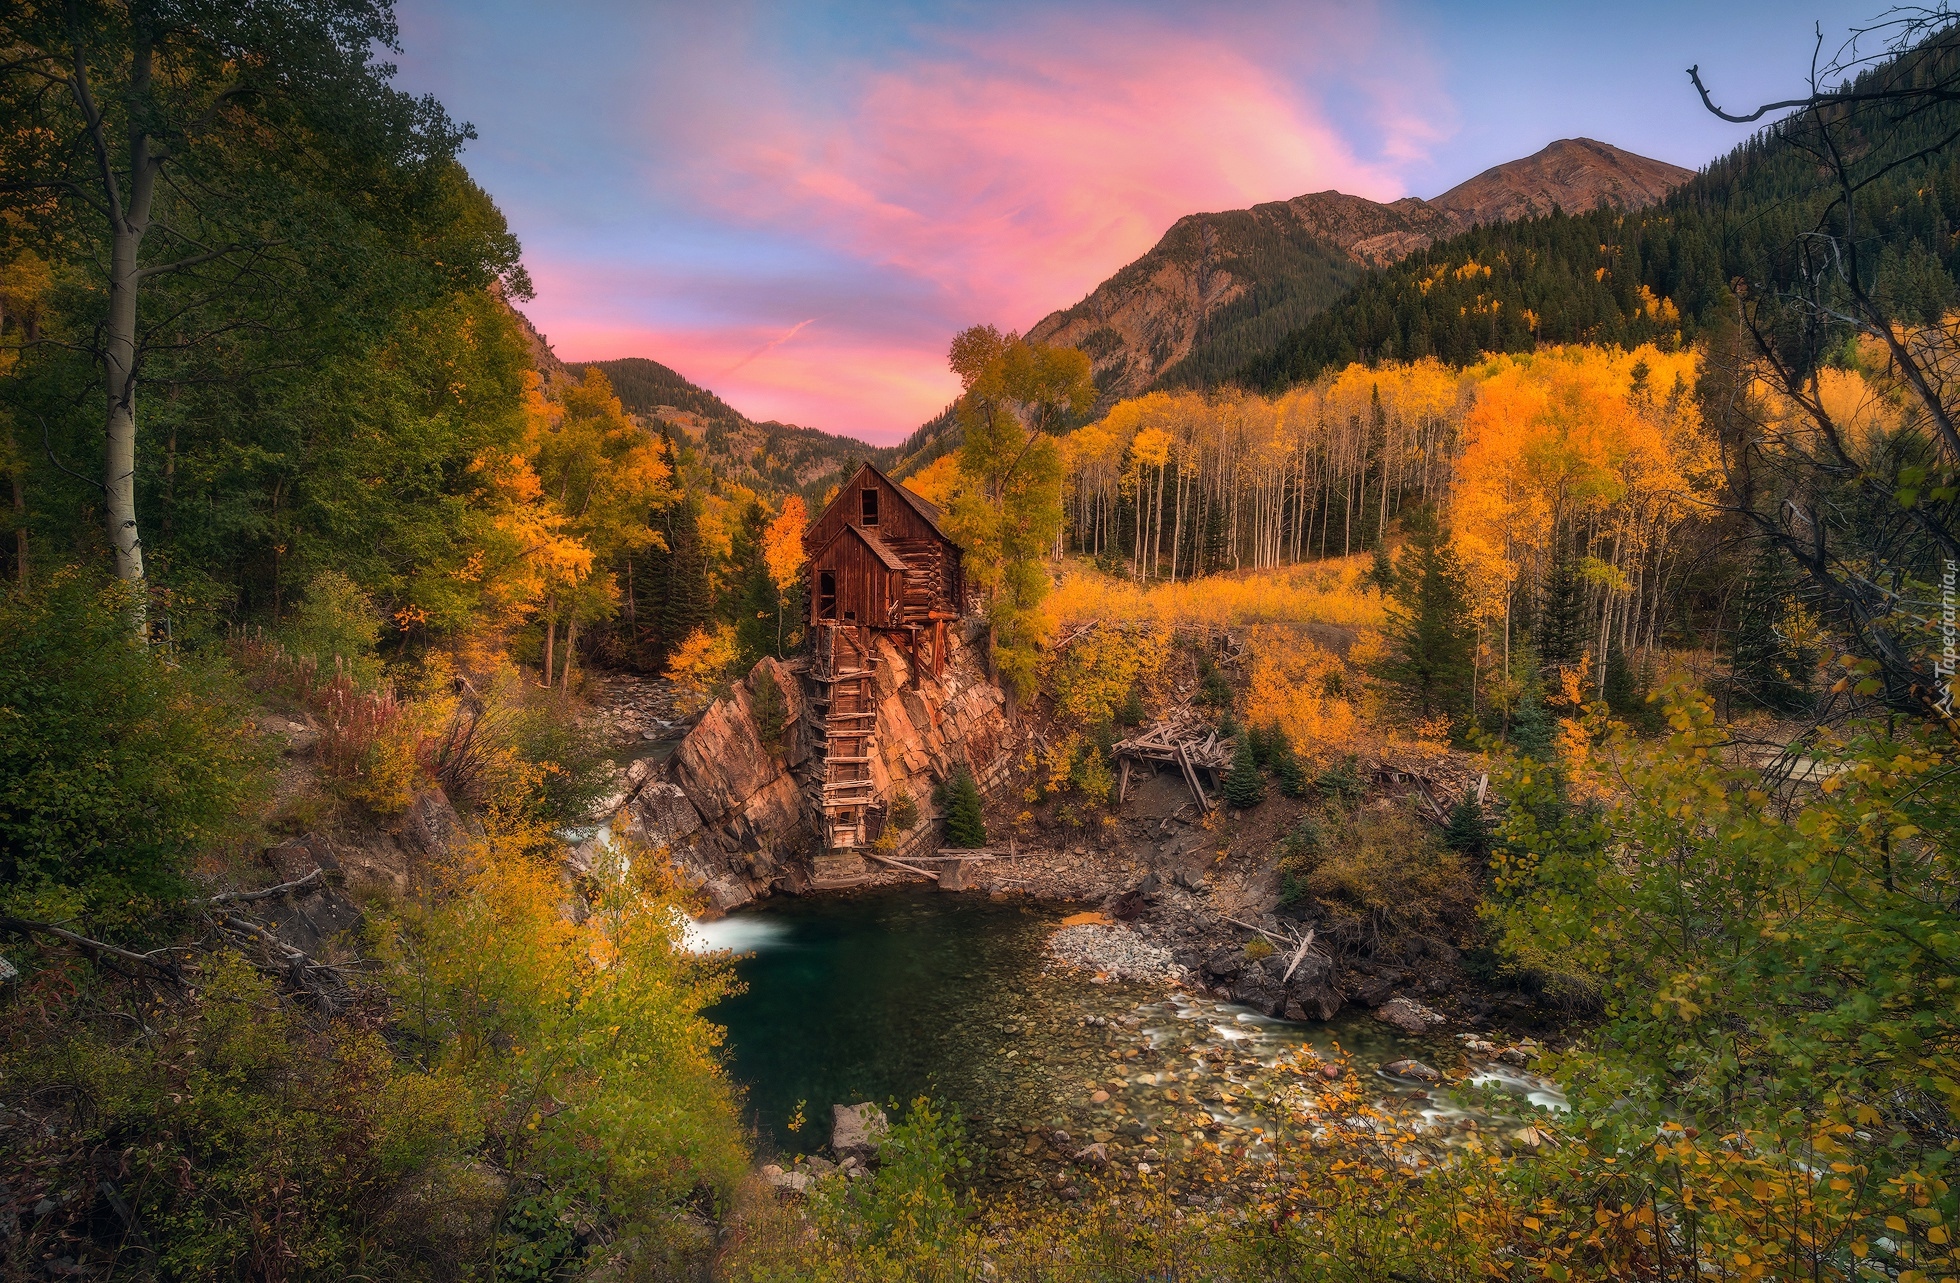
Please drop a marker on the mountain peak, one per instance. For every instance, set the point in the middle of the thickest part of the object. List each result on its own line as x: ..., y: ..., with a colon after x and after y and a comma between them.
x: 1574, y: 174
x: 1221, y: 288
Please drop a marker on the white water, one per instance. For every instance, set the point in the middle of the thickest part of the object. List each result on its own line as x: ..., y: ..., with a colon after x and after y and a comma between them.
x: 746, y: 934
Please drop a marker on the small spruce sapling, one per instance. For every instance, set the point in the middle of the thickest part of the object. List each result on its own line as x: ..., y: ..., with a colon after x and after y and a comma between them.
x: 903, y: 814
x: 1285, y: 763
x: 966, y: 827
x: 1245, y: 787
x: 1467, y: 833
x: 1131, y: 713
x: 1213, y: 689
x: 771, y: 712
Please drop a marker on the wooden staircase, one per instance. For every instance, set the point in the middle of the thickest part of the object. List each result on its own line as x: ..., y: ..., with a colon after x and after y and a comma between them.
x: 845, y: 671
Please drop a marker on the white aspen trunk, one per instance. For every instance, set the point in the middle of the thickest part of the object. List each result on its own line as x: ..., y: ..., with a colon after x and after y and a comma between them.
x: 1177, y: 526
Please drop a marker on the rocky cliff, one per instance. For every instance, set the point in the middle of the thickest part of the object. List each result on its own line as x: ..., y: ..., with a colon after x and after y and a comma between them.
x: 740, y: 814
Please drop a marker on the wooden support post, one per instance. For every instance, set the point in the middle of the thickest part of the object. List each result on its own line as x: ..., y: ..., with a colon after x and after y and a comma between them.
x: 1191, y: 778
x: 1123, y: 788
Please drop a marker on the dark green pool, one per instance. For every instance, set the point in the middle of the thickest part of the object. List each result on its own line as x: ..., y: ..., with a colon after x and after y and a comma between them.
x: 890, y: 995
x: 880, y: 996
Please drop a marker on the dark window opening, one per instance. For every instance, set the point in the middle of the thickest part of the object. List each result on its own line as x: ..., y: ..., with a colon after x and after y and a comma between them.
x: 826, y: 594
x: 870, y: 507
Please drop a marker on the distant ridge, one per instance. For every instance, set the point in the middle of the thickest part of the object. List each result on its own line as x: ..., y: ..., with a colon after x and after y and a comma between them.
x: 768, y: 456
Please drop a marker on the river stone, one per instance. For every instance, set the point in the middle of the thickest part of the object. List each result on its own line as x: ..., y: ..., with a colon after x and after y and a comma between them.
x: 857, y: 1130
x: 1411, y: 1069
x: 1225, y: 964
x: 1410, y: 1016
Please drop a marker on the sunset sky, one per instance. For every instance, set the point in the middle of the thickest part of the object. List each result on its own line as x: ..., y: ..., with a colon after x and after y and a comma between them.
x: 796, y: 205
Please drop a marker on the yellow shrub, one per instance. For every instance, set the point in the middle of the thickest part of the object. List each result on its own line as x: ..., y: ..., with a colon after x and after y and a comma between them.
x: 1326, y: 592
x: 1307, y: 690
x: 703, y: 666
x: 1095, y: 675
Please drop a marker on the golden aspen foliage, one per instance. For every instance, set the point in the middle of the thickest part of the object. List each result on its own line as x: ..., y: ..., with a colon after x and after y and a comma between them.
x: 782, y: 543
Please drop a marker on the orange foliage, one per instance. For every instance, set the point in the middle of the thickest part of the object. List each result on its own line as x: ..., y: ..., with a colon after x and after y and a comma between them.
x: 1329, y: 592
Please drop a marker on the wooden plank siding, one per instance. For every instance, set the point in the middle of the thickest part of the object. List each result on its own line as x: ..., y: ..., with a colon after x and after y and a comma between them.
x: 902, y: 571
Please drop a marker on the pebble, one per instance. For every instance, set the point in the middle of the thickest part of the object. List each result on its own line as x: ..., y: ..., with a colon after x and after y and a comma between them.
x: 1114, y: 951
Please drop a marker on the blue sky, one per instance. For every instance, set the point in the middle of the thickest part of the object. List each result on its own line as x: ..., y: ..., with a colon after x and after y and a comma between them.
x: 797, y: 205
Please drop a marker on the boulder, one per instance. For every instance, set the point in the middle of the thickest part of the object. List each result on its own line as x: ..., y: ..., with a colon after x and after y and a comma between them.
x: 857, y: 1130
x: 1410, y: 1016
x: 1225, y: 964
x: 1411, y: 1069
x: 1311, y: 993
x: 1373, y: 991
x: 786, y: 1182
x: 1258, y: 987
x: 663, y: 815
x: 430, y: 825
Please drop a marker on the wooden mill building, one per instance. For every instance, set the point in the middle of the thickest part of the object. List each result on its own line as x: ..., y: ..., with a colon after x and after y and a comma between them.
x: 879, y: 563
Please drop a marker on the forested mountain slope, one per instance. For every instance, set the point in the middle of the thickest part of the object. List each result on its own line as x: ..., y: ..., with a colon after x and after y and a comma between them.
x: 767, y: 455
x: 1661, y: 274
x: 1223, y: 288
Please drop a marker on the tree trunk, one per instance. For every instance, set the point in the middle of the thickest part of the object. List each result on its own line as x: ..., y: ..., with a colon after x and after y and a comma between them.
x: 119, y: 388
x: 20, y: 523
x: 571, y: 650
x: 550, y: 635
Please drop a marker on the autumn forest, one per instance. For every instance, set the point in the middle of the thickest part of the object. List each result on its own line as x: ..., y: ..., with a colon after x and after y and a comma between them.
x: 1525, y: 682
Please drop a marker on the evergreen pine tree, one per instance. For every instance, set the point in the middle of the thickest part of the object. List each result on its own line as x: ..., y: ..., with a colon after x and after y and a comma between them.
x: 966, y: 826
x: 1244, y: 787
x: 1432, y: 641
x: 751, y: 602
x: 1766, y: 667
x: 1228, y: 725
x: 1531, y: 723
x: 1466, y: 833
x: 1285, y: 763
x: 1562, y: 623
x: 1132, y: 712
x: 1382, y: 572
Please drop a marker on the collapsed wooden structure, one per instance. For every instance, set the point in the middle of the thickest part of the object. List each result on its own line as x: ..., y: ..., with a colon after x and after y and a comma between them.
x: 1184, y: 741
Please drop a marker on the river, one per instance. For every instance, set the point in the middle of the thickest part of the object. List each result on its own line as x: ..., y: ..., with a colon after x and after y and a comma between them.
x: 893, y: 994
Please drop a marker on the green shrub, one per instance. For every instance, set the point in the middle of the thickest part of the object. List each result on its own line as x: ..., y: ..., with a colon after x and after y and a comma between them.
x: 336, y: 621
x: 118, y: 763
x: 1213, y: 688
x: 1340, y: 783
x: 1259, y: 947
x: 903, y: 814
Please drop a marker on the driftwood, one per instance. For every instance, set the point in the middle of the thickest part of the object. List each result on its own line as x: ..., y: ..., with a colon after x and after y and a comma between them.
x: 157, y: 959
x: 1299, y: 955
x: 900, y: 864
x: 312, y: 881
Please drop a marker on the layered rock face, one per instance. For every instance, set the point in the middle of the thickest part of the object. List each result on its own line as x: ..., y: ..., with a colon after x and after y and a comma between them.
x: 740, y: 815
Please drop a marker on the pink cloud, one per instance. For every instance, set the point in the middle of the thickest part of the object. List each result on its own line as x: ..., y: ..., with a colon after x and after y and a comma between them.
x: 1015, y: 175
x: 993, y: 177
